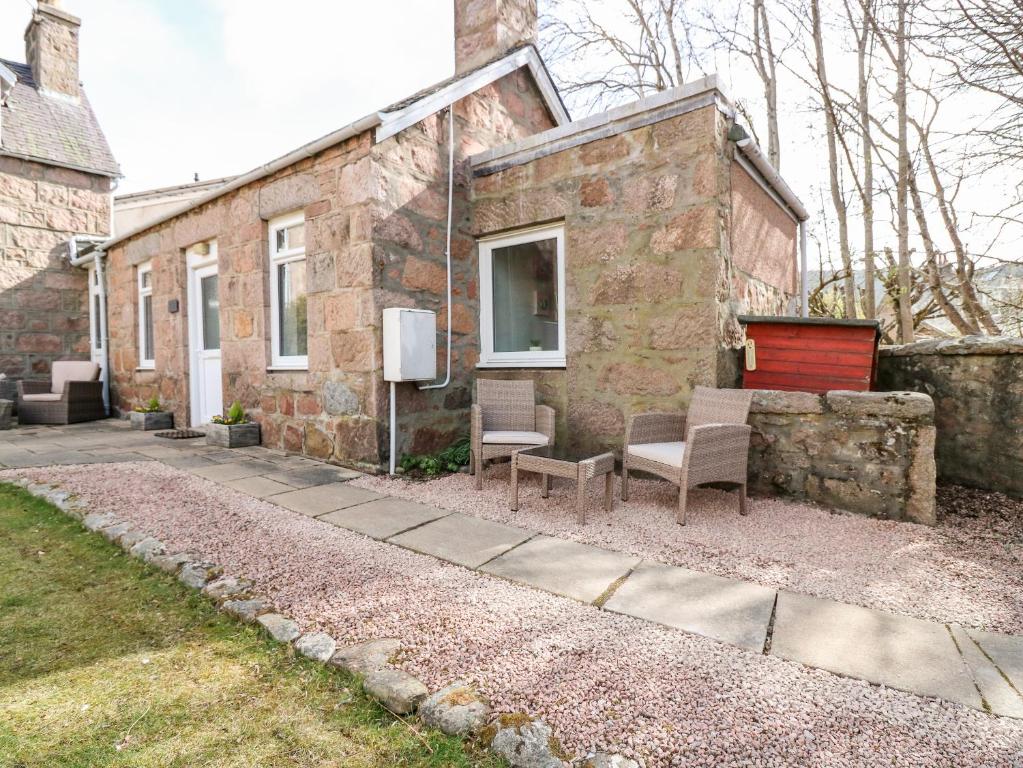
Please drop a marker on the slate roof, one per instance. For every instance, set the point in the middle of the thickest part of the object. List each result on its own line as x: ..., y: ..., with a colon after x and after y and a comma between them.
x: 51, y: 129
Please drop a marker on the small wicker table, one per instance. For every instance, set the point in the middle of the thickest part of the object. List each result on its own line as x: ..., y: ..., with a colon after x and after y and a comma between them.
x: 562, y: 462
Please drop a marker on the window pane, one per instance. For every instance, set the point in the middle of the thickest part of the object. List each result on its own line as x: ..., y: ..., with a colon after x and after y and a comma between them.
x: 97, y: 334
x: 526, y: 297
x: 296, y: 236
x: 291, y: 301
x: 146, y: 279
x: 210, y: 313
x: 147, y: 328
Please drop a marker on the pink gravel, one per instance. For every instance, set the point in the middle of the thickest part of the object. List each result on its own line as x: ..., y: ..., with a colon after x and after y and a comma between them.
x: 602, y: 681
x: 964, y: 570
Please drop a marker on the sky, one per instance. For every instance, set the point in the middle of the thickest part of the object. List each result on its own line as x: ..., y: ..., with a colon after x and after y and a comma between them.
x: 216, y: 87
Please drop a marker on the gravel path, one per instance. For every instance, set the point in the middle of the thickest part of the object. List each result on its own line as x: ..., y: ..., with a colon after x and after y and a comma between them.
x: 968, y: 569
x: 600, y: 680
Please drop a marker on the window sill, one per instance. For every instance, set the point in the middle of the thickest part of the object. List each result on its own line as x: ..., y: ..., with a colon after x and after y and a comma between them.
x: 146, y: 367
x: 556, y: 364
x: 288, y: 369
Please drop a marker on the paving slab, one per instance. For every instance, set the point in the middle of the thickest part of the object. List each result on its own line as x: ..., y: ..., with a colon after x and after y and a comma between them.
x: 223, y: 473
x: 384, y: 518
x: 321, y: 499
x: 896, y: 651
x: 463, y: 540
x: 727, y: 610
x: 566, y: 568
x: 996, y: 687
x: 306, y: 477
x: 1005, y: 651
x: 188, y: 461
x: 257, y: 487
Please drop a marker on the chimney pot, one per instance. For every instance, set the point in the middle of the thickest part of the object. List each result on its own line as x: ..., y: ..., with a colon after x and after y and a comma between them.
x: 51, y: 48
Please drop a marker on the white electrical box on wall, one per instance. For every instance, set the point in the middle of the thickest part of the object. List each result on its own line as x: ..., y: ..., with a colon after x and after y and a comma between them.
x: 410, y: 344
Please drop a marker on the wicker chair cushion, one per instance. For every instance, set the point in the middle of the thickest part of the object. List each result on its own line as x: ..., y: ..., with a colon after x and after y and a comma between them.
x: 72, y: 370
x: 661, y: 453
x: 514, y: 437
x: 45, y: 397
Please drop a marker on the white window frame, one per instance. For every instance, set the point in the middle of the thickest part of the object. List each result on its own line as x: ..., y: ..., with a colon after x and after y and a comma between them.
x: 277, y: 360
x: 525, y: 359
x: 143, y: 291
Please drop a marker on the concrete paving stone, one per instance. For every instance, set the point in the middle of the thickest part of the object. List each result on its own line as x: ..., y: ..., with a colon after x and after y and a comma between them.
x: 727, y: 610
x: 225, y: 456
x: 223, y: 473
x: 463, y: 540
x: 257, y: 487
x: 321, y: 499
x: 996, y: 689
x: 46, y: 448
x: 1006, y: 651
x: 307, y: 477
x: 158, y: 452
x: 883, y: 648
x: 56, y: 457
x: 383, y: 518
x: 187, y: 461
x: 566, y: 568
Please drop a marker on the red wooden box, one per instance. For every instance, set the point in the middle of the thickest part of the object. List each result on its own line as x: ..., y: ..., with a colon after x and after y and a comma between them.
x: 810, y: 354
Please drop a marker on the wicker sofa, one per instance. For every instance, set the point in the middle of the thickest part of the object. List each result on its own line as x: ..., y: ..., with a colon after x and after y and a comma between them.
x: 710, y: 444
x: 506, y: 419
x: 74, y: 394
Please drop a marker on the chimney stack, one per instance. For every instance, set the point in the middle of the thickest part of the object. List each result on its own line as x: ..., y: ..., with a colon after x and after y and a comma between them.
x: 51, y: 47
x: 486, y: 29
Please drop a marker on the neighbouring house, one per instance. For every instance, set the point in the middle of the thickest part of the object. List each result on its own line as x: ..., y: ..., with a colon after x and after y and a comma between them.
x: 135, y: 210
x: 56, y: 177
x: 606, y: 258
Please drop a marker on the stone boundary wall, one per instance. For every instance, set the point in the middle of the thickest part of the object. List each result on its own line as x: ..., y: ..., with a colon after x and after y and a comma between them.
x: 871, y: 453
x: 977, y: 386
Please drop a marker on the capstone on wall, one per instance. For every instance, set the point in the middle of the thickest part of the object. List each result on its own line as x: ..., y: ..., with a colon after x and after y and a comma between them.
x: 44, y: 312
x: 977, y: 386
x: 871, y: 453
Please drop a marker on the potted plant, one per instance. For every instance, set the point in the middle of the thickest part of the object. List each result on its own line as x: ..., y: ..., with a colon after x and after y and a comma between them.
x: 233, y: 430
x: 151, y: 416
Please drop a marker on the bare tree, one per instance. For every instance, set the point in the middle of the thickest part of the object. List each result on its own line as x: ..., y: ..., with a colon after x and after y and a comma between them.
x: 600, y: 61
x: 831, y: 131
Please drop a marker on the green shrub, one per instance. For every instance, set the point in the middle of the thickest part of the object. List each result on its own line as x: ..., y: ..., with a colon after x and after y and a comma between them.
x: 235, y: 415
x: 153, y: 406
x: 450, y: 459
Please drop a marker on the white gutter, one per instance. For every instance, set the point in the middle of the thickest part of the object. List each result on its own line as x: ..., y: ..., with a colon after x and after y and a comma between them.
x: 76, y: 259
x: 260, y: 172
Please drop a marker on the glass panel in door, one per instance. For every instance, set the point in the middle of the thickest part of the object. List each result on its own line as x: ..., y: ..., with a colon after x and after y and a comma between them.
x: 210, y: 299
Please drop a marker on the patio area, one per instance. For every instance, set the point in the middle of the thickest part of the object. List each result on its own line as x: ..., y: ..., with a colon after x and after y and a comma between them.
x: 922, y: 609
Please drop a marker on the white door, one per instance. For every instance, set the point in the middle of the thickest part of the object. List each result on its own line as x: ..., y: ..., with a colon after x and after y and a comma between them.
x: 204, y: 330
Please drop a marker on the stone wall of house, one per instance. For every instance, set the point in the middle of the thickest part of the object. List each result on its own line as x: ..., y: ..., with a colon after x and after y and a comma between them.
x: 375, y: 229
x: 318, y: 412
x: 643, y: 213
x: 409, y: 233
x: 762, y: 244
x: 977, y: 387
x: 44, y: 312
x: 871, y: 453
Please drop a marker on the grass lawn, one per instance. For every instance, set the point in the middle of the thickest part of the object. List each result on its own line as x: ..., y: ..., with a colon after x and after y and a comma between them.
x: 105, y: 662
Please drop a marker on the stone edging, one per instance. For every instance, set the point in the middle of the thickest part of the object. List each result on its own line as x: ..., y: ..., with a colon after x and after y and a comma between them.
x: 457, y: 710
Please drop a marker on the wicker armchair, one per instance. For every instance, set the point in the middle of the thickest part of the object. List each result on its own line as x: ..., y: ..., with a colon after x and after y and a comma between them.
x: 506, y: 419
x: 75, y: 394
x: 708, y: 445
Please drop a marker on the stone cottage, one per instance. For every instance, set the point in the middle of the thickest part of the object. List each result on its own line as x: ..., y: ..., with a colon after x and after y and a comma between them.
x: 606, y: 258
x: 56, y: 177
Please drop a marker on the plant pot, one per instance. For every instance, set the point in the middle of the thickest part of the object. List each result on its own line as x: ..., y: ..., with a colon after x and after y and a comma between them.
x: 232, y: 435
x: 153, y: 420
